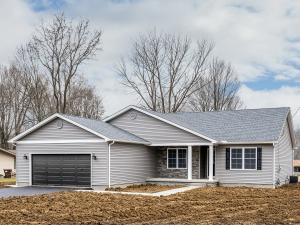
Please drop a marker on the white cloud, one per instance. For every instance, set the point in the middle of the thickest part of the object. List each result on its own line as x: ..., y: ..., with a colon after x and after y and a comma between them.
x: 16, y: 22
x: 284, y: 96
x: 255, y: 36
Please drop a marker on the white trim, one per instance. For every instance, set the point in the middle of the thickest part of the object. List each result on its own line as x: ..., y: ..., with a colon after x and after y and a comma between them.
x: 159, y: 118
x: 211, y: 163
x: 180, y: 144
x: 248, y: 143
x: 190, y: 162
x: 109, y: 162
x: 54, y: 116
x: 61, y: 141
x: 243, y: 157
x: 133, y: 142
x: 274, y: 165
x: 186, y: 160
x: 30, y: 167
x: 199, y: 155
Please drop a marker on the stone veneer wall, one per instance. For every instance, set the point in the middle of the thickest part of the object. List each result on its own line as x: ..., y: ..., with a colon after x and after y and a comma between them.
x: 164, y: 172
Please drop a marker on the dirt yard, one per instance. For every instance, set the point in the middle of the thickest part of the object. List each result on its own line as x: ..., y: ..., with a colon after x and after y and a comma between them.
x: 200, y: 206
x: 146, y: 188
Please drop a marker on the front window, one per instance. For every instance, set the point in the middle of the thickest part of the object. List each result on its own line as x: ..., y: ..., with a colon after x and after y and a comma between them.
x: 243, y: 158
x: 177, y: 158
x: 236, y: 158
x: 172, y: 158
x: 250, y: 158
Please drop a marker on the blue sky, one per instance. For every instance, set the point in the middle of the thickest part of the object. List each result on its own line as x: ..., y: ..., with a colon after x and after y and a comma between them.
x: 260, y: 38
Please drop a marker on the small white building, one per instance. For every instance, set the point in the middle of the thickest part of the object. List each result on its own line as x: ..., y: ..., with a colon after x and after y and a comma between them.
x: 7, y: 160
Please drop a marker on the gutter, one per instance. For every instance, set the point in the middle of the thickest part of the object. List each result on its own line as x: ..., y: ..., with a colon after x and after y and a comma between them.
x: 109, y: 150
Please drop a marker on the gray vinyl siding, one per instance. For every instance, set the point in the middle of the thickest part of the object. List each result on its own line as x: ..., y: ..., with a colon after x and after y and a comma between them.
x: 153, y: 130
x: 99, y: 166
x: 51, y: 132
x: 132, y: 163
x: 256, y: 177
x: 284, y: 156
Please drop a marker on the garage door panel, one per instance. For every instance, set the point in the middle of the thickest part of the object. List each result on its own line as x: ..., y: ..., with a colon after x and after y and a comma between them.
x: 61, y: 170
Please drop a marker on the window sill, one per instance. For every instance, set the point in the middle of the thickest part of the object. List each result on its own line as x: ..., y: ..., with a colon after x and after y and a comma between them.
x: 244, y: 169
x: 176, y: 168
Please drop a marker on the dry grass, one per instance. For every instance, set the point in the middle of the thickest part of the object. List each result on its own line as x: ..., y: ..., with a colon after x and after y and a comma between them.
x: 7, y: 181
x: 200, y: 206
x: 146, y: 188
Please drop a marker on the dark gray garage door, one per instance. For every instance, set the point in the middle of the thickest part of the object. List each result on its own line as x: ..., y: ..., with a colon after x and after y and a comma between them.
x: 61, y: 170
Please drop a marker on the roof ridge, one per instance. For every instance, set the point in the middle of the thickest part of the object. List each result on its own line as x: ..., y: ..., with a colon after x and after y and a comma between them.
x: 216, y: 111
x: 233, y: 110
x: 81, y: 117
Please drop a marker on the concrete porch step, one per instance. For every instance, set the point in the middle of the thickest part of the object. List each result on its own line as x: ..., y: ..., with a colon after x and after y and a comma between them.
x: 174, y: 181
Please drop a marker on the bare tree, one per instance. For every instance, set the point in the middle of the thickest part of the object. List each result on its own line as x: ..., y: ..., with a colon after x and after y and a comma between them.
x: 221, y: 91
x: 84, y: 101
x: 41, y: 104
x: 61, y: 48
x: 163, y: 70
x: 14, y: 102
x: 6, y: 115
x: 297, y: 151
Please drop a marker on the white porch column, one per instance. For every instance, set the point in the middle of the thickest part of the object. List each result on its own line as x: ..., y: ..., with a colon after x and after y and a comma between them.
x: 189, y: 162
x: 211, y: 163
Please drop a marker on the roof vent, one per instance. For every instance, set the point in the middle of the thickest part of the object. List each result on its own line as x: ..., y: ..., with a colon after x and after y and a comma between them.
x: 59, y: 124
x: 133, y: 115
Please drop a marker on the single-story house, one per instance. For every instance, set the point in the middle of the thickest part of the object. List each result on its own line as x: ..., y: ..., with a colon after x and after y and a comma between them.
x: 7, y: 160
x: 251, y: 147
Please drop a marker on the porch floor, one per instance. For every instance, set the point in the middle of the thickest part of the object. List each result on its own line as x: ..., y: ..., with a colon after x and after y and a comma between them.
x: 196, y: 182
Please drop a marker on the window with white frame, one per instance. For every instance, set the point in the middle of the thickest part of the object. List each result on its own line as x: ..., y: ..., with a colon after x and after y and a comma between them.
x: 250, y: 158
x: 177, y: 158
x: 243, y: 158
x: 236, y: 158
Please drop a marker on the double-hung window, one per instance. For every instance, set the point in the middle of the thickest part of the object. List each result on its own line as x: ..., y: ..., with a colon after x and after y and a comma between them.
x: 243, y: 158
x: 177, y: 158
x: 236, y: 158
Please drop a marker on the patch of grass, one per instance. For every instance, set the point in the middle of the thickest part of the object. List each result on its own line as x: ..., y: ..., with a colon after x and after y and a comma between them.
x: 7, y: 181
x: 147, y: 188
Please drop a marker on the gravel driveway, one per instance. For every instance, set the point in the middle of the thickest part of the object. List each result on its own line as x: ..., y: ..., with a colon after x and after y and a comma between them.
x: 29, y: 191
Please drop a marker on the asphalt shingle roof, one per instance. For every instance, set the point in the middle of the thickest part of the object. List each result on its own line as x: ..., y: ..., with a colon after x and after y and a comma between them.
x: 11, y: 152
x: 247, y: 125
x: 106, y: 129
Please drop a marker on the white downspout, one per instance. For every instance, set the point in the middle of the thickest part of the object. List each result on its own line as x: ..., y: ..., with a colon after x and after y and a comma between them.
x: 274, y: 165
x: 109, y: 150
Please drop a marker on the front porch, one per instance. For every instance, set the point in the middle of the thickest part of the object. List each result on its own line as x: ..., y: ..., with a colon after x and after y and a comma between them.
x: 189, y: 165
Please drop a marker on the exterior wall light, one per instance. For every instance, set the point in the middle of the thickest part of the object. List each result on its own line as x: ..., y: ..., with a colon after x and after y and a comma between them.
x: 94, y: 156
x: 25, y: 156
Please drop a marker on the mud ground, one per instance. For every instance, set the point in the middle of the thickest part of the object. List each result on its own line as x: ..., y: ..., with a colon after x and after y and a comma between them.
x: 217, y: 205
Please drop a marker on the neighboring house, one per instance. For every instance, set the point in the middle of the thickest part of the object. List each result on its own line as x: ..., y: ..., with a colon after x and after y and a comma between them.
x: 7, y: 160
x: 252, y: 147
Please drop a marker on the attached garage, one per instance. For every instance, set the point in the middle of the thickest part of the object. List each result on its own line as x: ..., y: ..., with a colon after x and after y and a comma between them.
x: 61, y: 169
x: 73, y: 151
